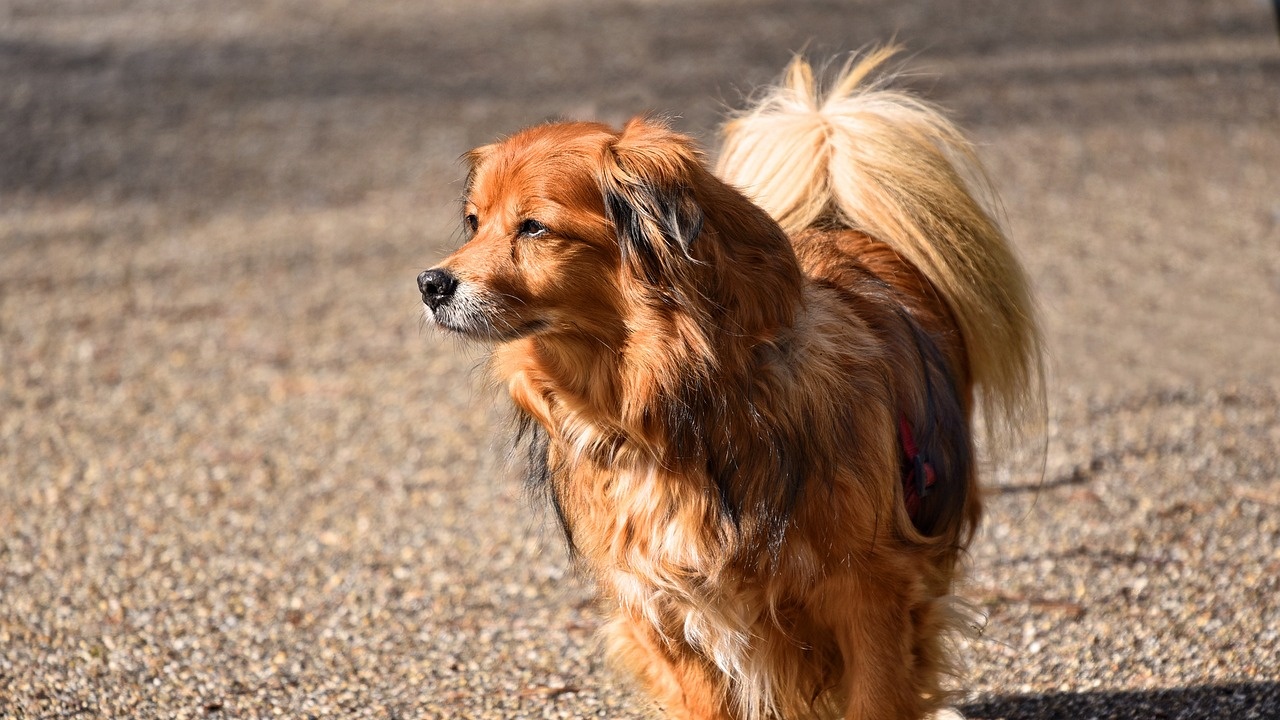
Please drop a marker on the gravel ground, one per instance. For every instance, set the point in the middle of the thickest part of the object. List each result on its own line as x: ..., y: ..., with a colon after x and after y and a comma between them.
x: 239, y: 479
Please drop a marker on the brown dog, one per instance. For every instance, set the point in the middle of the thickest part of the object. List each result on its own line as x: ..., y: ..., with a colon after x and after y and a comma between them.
x: 753, y: 416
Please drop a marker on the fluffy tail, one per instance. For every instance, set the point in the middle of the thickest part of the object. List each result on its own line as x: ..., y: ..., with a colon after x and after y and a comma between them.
x: 890, y: 165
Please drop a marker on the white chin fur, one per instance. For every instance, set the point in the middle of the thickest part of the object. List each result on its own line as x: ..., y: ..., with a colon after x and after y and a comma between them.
x: 467, y: 312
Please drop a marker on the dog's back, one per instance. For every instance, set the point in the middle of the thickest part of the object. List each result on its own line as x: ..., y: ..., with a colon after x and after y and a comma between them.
x: 886, y: 164
x: 873, y: 181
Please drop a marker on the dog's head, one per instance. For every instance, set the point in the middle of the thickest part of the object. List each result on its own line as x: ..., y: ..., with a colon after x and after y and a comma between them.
x: 571, y: 227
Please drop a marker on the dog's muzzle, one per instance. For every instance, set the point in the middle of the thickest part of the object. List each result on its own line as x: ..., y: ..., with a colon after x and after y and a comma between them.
x: 437, y: 286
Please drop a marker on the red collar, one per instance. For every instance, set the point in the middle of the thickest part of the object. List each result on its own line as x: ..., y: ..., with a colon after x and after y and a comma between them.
x: 918, y: 475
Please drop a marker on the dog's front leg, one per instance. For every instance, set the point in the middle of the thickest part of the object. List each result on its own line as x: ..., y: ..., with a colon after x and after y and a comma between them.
x: 890, y: 647
x: 682, y: 683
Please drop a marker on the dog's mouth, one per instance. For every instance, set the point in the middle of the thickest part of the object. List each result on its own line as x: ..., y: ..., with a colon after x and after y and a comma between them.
x: 472, y: 310
x: 482, y: 327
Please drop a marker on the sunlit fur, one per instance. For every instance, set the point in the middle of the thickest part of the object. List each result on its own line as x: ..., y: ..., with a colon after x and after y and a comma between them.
x: 711, y: 396
x: 881, y: 161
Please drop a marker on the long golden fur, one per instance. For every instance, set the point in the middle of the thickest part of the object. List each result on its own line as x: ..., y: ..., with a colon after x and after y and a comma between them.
x: 721, y: 396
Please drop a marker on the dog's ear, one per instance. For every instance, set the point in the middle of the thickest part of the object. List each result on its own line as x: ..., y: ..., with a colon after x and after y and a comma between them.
x: 472, y: 159
x: 648, y: 180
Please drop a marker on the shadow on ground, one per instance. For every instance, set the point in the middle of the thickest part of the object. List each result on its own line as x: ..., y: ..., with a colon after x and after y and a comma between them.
x: 1236, y: 700
x: 233, y: 118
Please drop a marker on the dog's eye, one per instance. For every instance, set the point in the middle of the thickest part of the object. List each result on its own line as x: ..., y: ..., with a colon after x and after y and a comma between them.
x: 473, y: 222
x: 532, y: 228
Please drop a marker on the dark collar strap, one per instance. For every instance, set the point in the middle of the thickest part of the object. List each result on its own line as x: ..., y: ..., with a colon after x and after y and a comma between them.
x: 919, y: 476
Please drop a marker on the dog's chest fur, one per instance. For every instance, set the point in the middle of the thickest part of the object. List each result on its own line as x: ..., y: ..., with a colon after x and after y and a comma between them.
x: 664, y: 552
x: 658, y: 541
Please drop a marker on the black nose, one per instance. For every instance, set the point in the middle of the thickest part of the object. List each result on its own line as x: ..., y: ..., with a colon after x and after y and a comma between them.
x: 437, y: 287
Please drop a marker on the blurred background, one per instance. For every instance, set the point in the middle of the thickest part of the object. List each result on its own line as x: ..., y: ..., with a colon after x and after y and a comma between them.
x: 239, y: 477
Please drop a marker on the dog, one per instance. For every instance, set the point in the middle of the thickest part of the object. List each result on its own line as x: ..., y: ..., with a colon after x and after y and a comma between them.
x: 749, y: 394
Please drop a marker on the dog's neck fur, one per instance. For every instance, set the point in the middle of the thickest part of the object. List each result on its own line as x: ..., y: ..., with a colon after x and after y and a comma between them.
x: 662, y: 391
x: 629, y: 381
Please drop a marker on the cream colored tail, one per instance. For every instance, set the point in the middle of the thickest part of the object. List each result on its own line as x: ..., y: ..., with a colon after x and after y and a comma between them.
x: 890, y: 165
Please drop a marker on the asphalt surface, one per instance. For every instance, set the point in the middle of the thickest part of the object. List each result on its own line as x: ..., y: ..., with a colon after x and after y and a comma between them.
x: 239, y: 478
